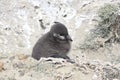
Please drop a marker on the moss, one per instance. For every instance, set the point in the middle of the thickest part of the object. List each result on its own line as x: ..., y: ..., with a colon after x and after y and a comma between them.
x: 108, y: 28
x: 107, y: 11
x: 108, y: 15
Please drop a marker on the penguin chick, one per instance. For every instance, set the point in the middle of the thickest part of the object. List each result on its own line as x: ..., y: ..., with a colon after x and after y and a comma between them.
x: 56, y: 43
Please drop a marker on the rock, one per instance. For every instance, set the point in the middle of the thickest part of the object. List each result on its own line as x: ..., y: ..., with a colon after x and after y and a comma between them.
x: 22, y: 57
x: 111, y: 73
x: 1, y: 66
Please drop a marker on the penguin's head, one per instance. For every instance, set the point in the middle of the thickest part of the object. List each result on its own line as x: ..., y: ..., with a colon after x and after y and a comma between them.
x: 60, y: 32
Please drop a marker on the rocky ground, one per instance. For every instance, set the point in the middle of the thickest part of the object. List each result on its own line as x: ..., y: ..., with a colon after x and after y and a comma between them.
x: 23, y: 67
x: 21, y: 24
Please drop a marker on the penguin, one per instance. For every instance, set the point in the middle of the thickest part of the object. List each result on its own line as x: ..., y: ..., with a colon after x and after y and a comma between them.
x: 56, y: 43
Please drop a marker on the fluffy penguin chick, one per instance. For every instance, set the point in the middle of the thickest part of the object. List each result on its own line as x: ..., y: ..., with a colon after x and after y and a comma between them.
x: 56, y: 43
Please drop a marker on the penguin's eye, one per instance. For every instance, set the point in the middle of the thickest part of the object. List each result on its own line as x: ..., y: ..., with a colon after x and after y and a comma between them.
x: 57, y: 35
x: 61, y: 34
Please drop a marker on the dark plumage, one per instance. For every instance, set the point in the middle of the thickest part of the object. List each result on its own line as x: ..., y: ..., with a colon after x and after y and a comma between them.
x: 55, y: 43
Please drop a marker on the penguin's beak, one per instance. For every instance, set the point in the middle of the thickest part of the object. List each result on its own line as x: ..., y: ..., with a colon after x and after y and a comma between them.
x: 69, y: 38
